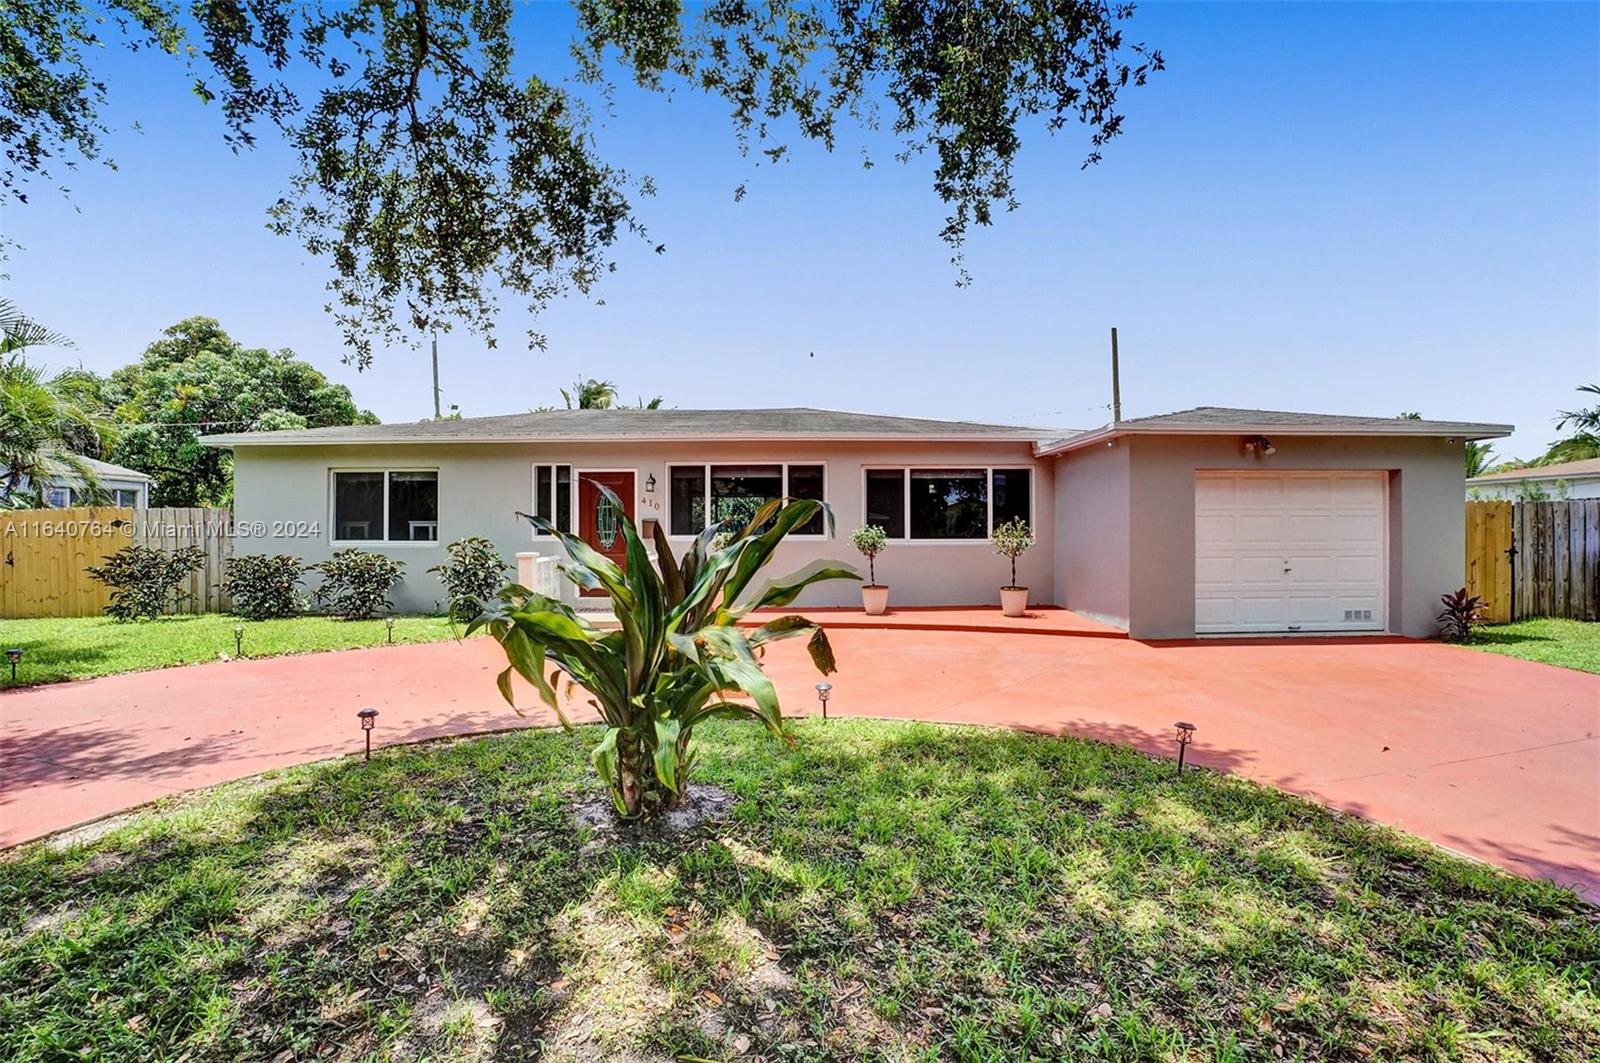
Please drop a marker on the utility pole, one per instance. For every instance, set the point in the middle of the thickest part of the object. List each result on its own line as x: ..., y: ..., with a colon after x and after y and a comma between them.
x: 1116, y: 381
x: 436, y: 377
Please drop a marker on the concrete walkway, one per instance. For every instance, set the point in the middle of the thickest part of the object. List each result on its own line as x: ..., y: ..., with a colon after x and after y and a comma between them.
x: 1490, y: 756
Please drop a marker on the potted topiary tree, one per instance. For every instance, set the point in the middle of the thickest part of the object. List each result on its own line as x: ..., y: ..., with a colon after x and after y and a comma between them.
x: 1011, y: 540
x: 870, y: 540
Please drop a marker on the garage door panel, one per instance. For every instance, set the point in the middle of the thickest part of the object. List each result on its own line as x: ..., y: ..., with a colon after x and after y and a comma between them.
x: 1297, y: 551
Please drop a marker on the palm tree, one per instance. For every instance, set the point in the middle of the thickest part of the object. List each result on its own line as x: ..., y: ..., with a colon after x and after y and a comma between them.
x: 590, y: 394
x: 1584, y: 443
x: 18, y: 332
x: 48, y: 421
x: 1480, y: 456
x: 594, y: 394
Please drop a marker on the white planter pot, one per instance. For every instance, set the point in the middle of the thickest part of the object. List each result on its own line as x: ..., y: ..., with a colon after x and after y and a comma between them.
x: 875, y: 600
x: 1013, y: 600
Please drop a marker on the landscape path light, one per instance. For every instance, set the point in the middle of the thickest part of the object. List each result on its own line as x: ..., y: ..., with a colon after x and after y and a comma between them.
x: 238, y: 640
x: 368, y: 717
x: 824, y: 692
x: 14, y: 655
x: 1185, y: 736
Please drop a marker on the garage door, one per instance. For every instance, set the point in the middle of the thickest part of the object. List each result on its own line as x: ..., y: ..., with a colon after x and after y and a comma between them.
x: 1289, y: 551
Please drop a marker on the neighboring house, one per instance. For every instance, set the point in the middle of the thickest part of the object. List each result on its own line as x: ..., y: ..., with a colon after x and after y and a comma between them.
x: 1208, y: 521
x: 1568, y: 479
x: 123, y: 487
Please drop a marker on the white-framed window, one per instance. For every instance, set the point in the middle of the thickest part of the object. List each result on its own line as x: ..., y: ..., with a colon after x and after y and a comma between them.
x: 934, y: 504
x: 58, y: 497
x: 552, y: 496
x: 735, y: 490
x: 384, y: 505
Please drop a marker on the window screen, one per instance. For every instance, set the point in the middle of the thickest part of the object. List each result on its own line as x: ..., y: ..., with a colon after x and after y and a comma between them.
x: 806, y: 481
x: 1012, y: 495
x: 949, y: 504
x: 886, y: 501
x: 688, y: 499
x: 358, y: 506
x: 413, y: 506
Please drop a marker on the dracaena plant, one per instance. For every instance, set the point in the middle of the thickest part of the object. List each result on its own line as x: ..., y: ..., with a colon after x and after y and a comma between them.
x: 678, y: 655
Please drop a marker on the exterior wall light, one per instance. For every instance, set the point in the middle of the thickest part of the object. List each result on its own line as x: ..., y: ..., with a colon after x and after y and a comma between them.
x: 824, y: 692
x: 1259, y: 445
x: 368, y: 718
x: 650, y: 484
x: 388, y: 625
x: 1185, y: 736
x: 13, y: 655
x: 238, y: 640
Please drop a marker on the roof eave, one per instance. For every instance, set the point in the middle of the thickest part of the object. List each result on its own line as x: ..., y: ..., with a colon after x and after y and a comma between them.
x: 1109, y: 432
x: 848, y: 437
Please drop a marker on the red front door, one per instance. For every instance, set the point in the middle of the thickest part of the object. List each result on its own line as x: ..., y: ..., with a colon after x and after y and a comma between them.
x: 599, y: 522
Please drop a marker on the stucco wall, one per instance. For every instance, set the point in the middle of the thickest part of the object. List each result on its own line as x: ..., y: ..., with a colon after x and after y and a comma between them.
x: 285, y: 492
x: 1091, y: 549
x: 1427, y: 534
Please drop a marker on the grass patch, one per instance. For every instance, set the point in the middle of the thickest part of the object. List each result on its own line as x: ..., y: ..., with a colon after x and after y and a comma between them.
x: 54, y: 649
x: 1567, y: 643
x: 884, y: 890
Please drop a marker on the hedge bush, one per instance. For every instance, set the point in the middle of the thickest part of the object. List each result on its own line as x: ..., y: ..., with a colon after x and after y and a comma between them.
x: 265, y: 586
x: 473, y: 573
x: 356, y: 584
x: 144, y: 580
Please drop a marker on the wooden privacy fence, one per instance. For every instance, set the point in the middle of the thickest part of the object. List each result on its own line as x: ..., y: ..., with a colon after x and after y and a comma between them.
x: 1556, y: 568
x: 43, y: 554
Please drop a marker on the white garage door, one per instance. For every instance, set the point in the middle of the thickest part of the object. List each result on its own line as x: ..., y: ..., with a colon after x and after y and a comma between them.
x: 1289, y: 551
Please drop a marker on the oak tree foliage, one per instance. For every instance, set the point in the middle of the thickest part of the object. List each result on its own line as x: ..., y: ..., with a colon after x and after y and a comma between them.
x: 436, y: 170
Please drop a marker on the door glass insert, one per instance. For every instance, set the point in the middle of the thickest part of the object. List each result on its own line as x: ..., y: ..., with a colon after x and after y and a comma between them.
x: 607, y: 522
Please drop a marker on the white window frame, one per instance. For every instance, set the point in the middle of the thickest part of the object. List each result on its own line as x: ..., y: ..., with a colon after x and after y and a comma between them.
x: 333, y: 508
x: 572, y: 495
x: 705, y: 487
x: 988, y: 476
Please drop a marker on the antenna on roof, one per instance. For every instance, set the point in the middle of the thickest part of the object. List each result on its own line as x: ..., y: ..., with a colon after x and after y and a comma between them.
x: 1116, y: 381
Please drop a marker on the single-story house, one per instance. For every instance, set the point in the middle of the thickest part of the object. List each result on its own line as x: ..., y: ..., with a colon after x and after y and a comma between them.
x: 122, y: 486
x: 1538, y: 483
x: 1208, y: 521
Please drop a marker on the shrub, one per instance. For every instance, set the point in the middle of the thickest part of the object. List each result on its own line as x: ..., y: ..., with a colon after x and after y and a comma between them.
x: 473, y: 573
x: 870, y: 540
x: 1013, y: 539
x: 264, y: 586
x: 356, y: 584
x: 1462, y: 612
x: 677, y: 652
x: 144, y: 580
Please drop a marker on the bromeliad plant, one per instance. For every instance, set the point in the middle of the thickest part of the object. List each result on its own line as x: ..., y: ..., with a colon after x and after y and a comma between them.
x: 677, y: 657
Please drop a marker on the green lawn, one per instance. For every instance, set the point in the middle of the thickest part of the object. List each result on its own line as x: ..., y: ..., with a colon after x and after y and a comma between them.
x: 1568, y: 643
x: 81, y: 647
x: 881, y: 891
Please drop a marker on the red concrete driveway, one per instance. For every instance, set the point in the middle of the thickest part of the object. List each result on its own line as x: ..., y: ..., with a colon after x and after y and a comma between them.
x: 1490, y: 756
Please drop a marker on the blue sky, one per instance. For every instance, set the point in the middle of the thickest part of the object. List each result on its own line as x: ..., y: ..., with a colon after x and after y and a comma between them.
x: 1346, y: 208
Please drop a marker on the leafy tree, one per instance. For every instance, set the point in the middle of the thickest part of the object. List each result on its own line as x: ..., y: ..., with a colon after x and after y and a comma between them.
x: 48, y: 420
x: 435, y: 169
x: 196, y: 380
